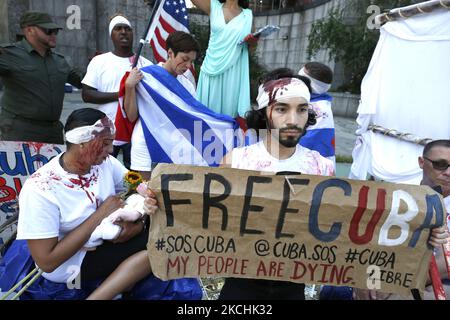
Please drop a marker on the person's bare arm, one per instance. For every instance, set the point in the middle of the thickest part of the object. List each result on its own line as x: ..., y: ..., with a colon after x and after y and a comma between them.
x: 129, y: 102
x: 50, y: 253
x: 204, y: 5
x: 92, y: 95
x: 442, y: 265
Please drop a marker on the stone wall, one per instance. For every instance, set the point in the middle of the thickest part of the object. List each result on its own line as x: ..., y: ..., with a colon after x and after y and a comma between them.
x: 288, y: 47
x: 4, y: 21
x: 345, y: 104
x: 79, y: 45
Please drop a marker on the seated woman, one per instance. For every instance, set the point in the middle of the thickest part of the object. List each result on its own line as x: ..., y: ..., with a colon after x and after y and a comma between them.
x: 63, y: 202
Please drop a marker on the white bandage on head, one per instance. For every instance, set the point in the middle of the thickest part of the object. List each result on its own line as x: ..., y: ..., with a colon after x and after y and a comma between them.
x: 317, y: 87
x: 280, y: 90
x: 102, y: 127
x: 118, y: 20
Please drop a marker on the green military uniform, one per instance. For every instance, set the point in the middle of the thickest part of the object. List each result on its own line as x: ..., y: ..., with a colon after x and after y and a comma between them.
x: 33, y: 93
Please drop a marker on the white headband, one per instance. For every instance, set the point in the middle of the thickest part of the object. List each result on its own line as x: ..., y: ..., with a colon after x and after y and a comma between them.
x: 281, y: 89
x: 317, y: 87
x: 88, y: 133
x: 118, y: 20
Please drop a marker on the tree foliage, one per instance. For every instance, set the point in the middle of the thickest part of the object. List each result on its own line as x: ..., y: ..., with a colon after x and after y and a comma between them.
x: 344, y: 33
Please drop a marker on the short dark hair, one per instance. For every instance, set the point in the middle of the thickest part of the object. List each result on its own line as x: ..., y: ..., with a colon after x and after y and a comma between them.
x: 242, y: 3
x: 319, y: 71
x: 82, y: 117
x: 180, y: 41
x: 257, y: 119
x: 436, y: 143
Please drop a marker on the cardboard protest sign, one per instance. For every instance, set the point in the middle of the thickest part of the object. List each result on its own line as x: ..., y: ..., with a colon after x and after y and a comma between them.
x: 303, y: 228
x: 18, y: 160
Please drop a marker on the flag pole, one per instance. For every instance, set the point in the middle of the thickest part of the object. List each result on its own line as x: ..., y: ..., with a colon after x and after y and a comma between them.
x: 142, y: 41
x: 412, y: 10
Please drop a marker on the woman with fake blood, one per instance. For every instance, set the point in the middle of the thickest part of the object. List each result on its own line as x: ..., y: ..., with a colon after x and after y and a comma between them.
x: 65, y: 200
x: 182, y: 50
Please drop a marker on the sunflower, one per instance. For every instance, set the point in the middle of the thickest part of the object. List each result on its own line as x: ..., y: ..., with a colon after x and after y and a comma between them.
x: 131, y: 181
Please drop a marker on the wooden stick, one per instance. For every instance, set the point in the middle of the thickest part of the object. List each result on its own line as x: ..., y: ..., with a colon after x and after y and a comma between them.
x: 412, y: 10
x: 399, y: 135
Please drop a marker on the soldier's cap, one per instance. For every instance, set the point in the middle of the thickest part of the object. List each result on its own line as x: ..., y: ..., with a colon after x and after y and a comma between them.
x: 40, y: 19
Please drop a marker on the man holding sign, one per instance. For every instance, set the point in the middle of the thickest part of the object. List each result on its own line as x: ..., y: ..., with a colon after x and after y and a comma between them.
x: 213, y: 223
x: 283, y: 109
x: 435, y: 163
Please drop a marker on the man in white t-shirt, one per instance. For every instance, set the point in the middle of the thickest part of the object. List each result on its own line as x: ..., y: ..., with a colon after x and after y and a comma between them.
x: 283, y: 111
x: 182, y: 50
x: 104, y: 73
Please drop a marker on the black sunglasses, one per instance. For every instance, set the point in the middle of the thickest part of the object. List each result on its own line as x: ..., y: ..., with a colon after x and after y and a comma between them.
x: 49, y: 31
x: 440, y: 165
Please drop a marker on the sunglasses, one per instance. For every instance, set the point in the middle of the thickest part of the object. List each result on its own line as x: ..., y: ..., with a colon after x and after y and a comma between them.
x: 49, y: 31
x: 440, y: 165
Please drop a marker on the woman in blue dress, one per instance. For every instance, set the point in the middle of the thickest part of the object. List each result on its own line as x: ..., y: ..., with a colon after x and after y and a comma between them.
x: 224, y: 84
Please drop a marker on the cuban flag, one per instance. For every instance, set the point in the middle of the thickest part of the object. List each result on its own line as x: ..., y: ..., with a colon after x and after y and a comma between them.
x: 321, y: 136
x: 178, y: 128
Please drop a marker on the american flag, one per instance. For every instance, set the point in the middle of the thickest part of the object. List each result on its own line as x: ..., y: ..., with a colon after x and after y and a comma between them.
x: 171, y: 15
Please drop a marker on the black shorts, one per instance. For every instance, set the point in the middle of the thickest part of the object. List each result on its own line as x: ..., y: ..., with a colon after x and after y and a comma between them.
x: 101, y: 262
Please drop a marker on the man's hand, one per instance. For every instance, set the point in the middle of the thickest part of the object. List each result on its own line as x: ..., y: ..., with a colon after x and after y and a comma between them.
x: 150, y: 203
x: 439, y: 236
x: 129, y: 230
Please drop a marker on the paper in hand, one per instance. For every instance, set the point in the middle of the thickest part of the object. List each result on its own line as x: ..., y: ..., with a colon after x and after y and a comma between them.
x: 264, y: 32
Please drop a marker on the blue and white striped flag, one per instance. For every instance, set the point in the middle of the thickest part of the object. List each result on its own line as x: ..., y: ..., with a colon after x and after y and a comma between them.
x: 321, y: 136
x: 178, y: 128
